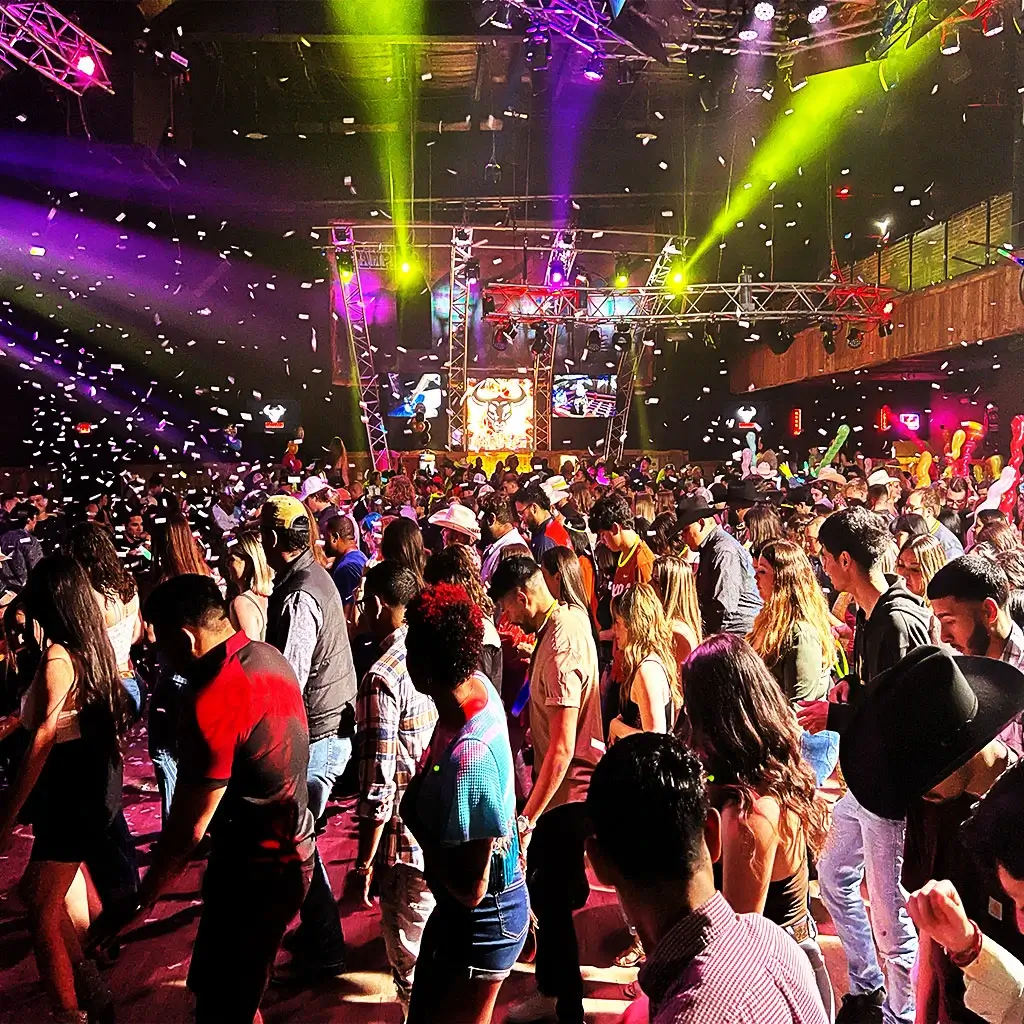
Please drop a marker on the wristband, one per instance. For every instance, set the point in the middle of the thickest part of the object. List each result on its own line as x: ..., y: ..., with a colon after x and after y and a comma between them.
x: 362, y: 869
x: 524, y: 825
x: 966, y: 958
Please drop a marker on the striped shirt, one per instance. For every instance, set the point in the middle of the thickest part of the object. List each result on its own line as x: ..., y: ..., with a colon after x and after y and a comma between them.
x: 718, y: 966
x: 394, y: 723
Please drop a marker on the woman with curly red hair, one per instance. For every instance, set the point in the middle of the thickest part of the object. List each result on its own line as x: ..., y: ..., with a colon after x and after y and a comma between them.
x: 461, y: 808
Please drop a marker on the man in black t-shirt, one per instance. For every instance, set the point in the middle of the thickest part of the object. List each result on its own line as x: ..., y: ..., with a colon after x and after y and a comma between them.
x: 244, y: 749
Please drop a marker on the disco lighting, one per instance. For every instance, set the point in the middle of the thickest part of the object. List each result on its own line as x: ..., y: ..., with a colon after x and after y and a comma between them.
x: 86, y: 65
x: 747, y: 34
x: 594, y: 70
x: 622, y: 271
x: 557, y: 275
x: 885, y: 328
x: 817, y: 13
x: 538, y: 49
x: 854, y: 337
x: 992, y: 23
x: 472, y: 270
x: 676, y: 280
x: 798, y: 29
x: 621, y: 335
x: 764, y: 11
x: 346, y: 266
x: 488, y: 305
x: 950, y: 42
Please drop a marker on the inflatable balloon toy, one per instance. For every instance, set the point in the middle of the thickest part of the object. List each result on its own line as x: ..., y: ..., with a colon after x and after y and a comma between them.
x: 922, y: 471
x: 1009, y: 499
x: 972, y: 434
x: 833, y: 449
x: 1002, y: 488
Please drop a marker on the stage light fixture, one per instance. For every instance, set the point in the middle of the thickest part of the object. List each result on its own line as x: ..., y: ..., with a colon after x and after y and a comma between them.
x: 594, y: 339
x: 885, y: 328
x: 622, y: 269
x: 540, y: 339
x: 626, y: 76
x: 538, y: 49
x: 797, y: 80
x: 594, y: 71
x: 472, y: 270
x: 346, y: 266
x: 764, y: 11
x: 557, y: 275
x: 621, y: 335
x: 487, y: 304
x: 503, y: 17
x: 748, y: 35
x: 799, y: 28
x: 854, y: 337
x: 828, y: 336
x: 992, y: 23
x: 86, y: 65
x: 676, y: 282
x: 817, y: 13
x: 950, y: 42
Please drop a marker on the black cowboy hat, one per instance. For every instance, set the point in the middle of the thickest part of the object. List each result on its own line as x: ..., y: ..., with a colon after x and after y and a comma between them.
x: 920, y: 721
x: 690, y: 510
x: 745, y: 493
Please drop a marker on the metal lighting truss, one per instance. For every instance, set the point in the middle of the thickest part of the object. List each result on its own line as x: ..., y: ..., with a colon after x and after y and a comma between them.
x: 563, y: 252
x: 41, y: 37
x: 352, y: 312
x: 629, y: 360
x: 720, y: 302
x: 459, y: 323
x: 585, y: 23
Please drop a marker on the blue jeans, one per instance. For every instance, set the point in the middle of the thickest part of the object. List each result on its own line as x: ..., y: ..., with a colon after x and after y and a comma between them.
x: 861, y: 844
x: 320, y: 922
x: 821, y: 752
x: 164, y: 717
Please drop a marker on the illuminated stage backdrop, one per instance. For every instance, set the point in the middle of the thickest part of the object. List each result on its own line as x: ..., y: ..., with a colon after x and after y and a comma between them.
x: 499, y: 414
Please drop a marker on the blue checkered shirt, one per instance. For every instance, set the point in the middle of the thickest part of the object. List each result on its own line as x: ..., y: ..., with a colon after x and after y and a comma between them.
x: 394, y: 723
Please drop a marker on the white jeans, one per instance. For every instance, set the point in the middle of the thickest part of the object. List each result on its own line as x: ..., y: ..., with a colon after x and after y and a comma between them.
x: 405, y: 904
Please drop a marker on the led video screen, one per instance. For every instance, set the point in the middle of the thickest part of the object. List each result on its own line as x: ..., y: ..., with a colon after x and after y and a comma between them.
x: 578, y: 396
x: 499, y: 414
x: 402, y: 393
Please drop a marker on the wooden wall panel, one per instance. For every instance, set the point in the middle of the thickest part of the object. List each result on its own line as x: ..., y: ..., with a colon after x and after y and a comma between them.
x: 982, y: 305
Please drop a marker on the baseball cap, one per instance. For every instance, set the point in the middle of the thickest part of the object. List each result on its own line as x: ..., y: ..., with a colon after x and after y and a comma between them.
x: 282, y: 510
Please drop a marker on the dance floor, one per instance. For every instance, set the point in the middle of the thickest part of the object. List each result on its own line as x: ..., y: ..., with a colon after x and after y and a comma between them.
x: 149, y: 978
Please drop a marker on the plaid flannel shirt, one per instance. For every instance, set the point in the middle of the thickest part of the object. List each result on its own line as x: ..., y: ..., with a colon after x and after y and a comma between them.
x: 394, y: 723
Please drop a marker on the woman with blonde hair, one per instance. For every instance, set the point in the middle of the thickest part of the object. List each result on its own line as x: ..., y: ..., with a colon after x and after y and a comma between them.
x: 918, y: 561
x: 674, y: 583
x: 650, y: 691
x: 793, y: 634
x: 250, y: 584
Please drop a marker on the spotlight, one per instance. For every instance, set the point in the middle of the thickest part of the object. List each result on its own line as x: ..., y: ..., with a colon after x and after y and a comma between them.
x: 502, y: 17
x: 594, y: 339
x: 472, y: 270
x: 622, y: 268
x: 346, y: 266
x: 540, y: 339
x: 888, y: 307
x: 504, y: 334
x: 764, y: 11
x: 88, y: 66
x: 854, y: 337
x: 818, y: 12
x: 885, y: 328
x: 621, y: 335
x: 676, y: 282
x: 747, y: 34
x: 798, y: 28
x: 538, y: 49
x: 557, y: 273
x: 992, y: 23
x: 492, y: 172
x: 487, y: 304
x: 828, y: 336
x: 950, y: 42
x: 594, y: 70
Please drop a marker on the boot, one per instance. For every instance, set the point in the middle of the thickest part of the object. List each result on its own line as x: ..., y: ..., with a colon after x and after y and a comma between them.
x: 93, y: 993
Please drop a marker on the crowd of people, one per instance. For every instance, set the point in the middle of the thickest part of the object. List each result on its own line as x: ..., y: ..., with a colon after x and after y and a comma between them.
x: 529, y: 677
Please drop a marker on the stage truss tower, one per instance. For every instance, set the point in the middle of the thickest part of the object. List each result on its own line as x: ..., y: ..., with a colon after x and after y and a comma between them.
x: 459, y: 323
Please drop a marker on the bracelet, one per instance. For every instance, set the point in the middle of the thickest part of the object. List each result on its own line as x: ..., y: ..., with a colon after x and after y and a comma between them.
x: 362, y: 869
x: 966, y: 958
x: 524, y: 826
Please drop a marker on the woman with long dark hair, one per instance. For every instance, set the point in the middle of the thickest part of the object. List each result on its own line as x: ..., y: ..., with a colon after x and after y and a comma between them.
x: 69, y: 783
x: 402, y: 543
x: 745, y: 732
x: 461, y: 807
x: 176, y: 552
x: 91, y: 547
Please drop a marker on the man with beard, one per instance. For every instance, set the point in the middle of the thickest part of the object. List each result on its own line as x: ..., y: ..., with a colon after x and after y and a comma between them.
x: 970, y: 597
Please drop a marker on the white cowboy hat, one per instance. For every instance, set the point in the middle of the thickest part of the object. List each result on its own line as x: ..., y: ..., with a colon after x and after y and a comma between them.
x: 459, y: 518
x: 312, y: 485
x: 556, y: 489
x: 881, y: 476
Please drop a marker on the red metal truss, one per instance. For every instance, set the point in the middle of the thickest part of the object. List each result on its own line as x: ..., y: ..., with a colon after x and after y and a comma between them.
x: 697, y: 303
x: 41, y: 37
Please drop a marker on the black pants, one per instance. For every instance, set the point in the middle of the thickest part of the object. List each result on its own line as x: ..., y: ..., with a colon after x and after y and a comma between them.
x: 557, y: 877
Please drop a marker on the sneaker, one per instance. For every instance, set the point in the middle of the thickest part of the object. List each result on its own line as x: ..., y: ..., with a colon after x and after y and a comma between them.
x: 864, y: 1008
x: 301, y: 972
x: 534, y: 1008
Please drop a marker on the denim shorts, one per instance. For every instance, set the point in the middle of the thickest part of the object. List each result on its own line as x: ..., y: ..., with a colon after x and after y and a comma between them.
x: 483, y: 942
